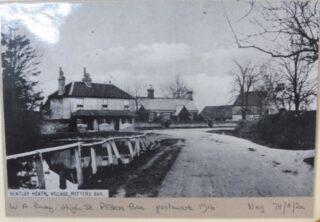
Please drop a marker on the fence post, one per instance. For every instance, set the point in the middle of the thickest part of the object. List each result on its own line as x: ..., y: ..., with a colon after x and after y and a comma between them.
x: 147, y: 141
x: 40, y: 172
x: 110, y: 157
x: 77, y: 156
x: 143, y: 145
x: 137, y: 147
x: 115, y: 149
x: 93, y: 160
x: 130, y: 148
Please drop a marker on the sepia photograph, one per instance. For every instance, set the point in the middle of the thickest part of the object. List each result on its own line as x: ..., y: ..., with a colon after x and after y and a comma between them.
x: 143, y: 99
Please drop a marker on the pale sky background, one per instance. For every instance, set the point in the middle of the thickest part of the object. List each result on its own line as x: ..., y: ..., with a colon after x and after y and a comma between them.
x: 144, y: 42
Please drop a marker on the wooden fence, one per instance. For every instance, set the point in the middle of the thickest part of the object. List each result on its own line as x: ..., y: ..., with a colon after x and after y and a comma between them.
x: 74, y: 163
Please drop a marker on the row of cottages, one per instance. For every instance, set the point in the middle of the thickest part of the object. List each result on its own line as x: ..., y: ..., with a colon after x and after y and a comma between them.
x: 258, y: 104
x: 162, y: 109
x: 95, y: 106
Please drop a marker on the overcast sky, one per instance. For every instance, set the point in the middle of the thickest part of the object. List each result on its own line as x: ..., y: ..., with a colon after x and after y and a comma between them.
x: 144, y: 42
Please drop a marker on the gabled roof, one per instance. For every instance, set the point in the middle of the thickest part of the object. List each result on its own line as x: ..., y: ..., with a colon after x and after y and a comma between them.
x: 166, y: 104
x: 104, y: 113
x: 255, y: 98
x: 217, y: 112
x: 96, y: 90
x: 179, y: 109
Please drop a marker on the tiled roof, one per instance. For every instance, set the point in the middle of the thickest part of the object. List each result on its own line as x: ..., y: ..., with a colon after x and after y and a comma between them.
x: 96, y: 90
x: 217, y: 112
x: 255, y: 98
x: 166, y: 104
x: 104, y: 113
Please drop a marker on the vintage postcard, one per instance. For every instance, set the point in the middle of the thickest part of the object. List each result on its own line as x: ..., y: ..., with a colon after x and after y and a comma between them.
x: 160, y: 108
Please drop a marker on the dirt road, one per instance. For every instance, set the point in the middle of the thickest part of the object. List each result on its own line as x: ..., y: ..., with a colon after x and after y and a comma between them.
x: 213, y: 165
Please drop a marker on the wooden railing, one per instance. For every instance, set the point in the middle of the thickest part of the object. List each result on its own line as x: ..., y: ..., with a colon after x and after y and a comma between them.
x: 80, y: 157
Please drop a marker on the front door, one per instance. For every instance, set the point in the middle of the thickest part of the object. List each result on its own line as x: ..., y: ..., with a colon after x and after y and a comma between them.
x: 89, y: 123
x: 116, y: 124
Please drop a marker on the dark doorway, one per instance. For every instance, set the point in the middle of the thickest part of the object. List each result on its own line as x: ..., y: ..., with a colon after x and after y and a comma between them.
x: 90, y: 124
x: 116, y: 124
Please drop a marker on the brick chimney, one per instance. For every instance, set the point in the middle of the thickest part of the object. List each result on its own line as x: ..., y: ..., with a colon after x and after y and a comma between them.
x: 150, y: 92
x: 190, y: 95
x: 86, y: 78
x: 61, y: 82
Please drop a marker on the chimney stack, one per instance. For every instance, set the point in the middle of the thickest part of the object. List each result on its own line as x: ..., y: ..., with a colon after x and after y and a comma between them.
x: 86, y: 78
x: 150, y: 92
x: 190, y: 95
x: 61, y: 82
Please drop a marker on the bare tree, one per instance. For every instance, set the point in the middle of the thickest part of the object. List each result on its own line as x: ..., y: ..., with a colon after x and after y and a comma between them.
x: 273, y: 83
x: 177, y: 89
x: 300, y: 84
x: 282, y: 26
x: 135, y: 91
x: 289, y: 83
x: 245, y: 79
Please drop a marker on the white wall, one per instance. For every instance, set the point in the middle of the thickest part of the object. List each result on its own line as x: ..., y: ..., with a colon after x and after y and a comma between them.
x: 236, y: 117
x: 126, y: 126
x: 62, y: 108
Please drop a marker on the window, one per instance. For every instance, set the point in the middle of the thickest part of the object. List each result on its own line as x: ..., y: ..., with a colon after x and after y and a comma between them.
x: 126, y: 120
x: 79, y: 121
x: 126, y: 104
x: 79, y: 106
x: 101, y: 121
x: 191, y: 116
x: 166, y: 116
x: 105, y: 106
x: 151, y: 117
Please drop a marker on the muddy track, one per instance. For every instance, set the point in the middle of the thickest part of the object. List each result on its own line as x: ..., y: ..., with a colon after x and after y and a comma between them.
x: 142, y: 177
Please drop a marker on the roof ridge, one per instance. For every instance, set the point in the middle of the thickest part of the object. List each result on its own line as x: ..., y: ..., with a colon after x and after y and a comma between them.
x: 163, y: 98
x: 97, y: 90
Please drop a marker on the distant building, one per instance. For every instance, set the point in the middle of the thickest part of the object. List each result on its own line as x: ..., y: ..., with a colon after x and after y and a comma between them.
x: 96, y: 106
x: 257, y: 102
x: 216, y: 113
x: 160, y: 109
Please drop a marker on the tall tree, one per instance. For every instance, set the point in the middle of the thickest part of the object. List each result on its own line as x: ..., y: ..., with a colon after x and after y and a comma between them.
x: 289, y: 83
x: 273, y: 83
x: 21, y: 97
x: 245, y: 78
x: 177, y: 89
x: 283, y: 28
x: 300, y: 84
x: 134, y: 89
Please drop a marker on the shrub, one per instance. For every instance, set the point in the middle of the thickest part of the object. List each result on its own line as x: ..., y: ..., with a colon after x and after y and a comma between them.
x: 288, y: 130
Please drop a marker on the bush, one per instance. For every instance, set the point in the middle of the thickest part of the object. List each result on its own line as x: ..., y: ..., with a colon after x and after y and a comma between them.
x: 288, y: 130
x: 22, y: 131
